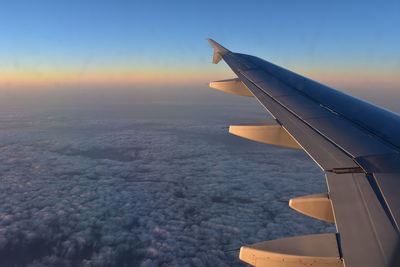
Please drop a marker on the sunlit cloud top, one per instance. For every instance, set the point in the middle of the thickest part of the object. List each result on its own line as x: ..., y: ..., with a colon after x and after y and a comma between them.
x: 157, y: 42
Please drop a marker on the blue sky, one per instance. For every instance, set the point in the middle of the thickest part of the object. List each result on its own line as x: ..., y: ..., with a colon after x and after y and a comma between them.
x: 123, y: 36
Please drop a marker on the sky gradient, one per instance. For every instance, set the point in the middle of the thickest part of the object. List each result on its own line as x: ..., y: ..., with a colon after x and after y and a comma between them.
x: 55, y: 43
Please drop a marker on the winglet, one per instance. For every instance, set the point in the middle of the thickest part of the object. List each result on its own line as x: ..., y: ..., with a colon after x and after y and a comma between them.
x: 219, y: 51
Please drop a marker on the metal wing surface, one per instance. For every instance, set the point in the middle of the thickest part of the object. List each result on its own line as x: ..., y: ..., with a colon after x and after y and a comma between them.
x: 356, y: 143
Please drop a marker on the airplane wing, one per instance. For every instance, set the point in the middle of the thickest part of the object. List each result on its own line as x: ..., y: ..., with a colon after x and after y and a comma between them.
x: 356, y: 143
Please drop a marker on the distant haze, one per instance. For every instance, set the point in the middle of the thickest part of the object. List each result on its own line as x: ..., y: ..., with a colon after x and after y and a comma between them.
x: 70, y: 96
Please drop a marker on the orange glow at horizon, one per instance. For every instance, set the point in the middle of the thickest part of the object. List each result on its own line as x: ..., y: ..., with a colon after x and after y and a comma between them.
x: 35, y: 78
x: 346, y: 77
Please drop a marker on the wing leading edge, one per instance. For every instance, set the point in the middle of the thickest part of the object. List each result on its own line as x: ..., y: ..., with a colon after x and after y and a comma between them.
x: 356, y: 143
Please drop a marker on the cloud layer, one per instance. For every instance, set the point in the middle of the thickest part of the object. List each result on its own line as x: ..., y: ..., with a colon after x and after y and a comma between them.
x: 94, y: 188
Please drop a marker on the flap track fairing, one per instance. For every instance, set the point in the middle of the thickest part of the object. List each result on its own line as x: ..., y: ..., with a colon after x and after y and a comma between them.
x: 234, y: 86
x: 310, y: 250
x: 267, y: 131
x: 318, y: 206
